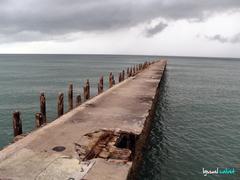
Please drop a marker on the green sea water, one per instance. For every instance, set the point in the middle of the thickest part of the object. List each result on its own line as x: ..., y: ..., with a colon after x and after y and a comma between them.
x: 197, y: 122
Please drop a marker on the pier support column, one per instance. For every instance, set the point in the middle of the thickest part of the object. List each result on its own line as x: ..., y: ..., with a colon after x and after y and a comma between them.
x: 127, y: 72
x: 120, y: 77
x: 39, y: 120
x: 100, y: 85
x: 113, y: 80
x: 17, y: 124
x: 70, y: 97
x: 130, y: 73
x: 86, y: 90
x: 43, y: 107
x: 110, y: 80
x: 78, y: 100
x: 60, y: 104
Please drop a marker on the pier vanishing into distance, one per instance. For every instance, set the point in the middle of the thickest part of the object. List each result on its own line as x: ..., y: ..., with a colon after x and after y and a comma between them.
x: 101, y: 138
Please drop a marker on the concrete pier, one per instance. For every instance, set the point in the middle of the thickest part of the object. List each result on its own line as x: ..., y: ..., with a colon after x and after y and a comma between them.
x: 100, y: 139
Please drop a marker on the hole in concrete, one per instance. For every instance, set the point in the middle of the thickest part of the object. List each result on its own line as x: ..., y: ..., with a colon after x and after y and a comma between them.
x: 127, y: 140
x: 58, y: 148
x: 101, y: 143
x: 107, y: 144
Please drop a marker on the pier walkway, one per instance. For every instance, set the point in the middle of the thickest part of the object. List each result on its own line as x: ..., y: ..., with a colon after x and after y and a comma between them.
x: 96, y: 140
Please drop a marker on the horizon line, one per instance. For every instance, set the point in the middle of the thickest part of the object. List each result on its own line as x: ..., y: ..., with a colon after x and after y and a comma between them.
x: 109, y: 54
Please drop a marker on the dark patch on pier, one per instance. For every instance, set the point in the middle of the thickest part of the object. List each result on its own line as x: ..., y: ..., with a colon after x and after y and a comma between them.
x: 91, y: 105
x: 58, y: 148
x: 79, y: 120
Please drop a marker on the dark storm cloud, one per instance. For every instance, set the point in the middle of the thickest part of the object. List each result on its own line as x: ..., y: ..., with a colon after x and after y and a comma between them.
x: 222, y: 39
x: 50, y: 18
x: 155, y: 30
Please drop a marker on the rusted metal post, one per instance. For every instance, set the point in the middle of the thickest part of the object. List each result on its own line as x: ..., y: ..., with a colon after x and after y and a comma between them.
x: 100, y: 85
x: 123, y: 75
x: 119, y: 77
x: 60, y: 104
x: 130, y: 73
x: 86, y: 90
x: 110, y: 80
x: 17, y: 124
x: 127, y: 72
x: 134, y: 70
x: 70, y: 97
x: 39, y: 120
x: 78, y: 100
x: 113, y: 80
x: 99, y: 89
x: 43, y: 107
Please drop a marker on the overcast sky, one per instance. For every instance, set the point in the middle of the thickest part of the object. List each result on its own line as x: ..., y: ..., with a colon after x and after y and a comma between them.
x: 154, y: 27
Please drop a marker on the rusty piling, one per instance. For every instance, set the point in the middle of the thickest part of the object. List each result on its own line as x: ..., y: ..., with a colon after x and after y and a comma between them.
x: 39, y: 120
x: 100, y: 85
x: 110, y: 79
x: 43, y: 107
x: 127, y: 72
x: 120, y: 77
x: 70, y: 97
x: 17, y: 124
x: 113, y: 80
x: 86, y: 90
x: 60, y: 104
x: 78, y: 100
x: 130, y: 73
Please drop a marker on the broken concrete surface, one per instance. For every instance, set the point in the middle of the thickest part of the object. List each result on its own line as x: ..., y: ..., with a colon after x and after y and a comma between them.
x: 124, y: 107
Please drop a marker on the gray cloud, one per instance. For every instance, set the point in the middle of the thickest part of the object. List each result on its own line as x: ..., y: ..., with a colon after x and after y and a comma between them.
x: 45, y: 18
x: 217, y: 37
x: 234, y: 39
x: 155, y: 30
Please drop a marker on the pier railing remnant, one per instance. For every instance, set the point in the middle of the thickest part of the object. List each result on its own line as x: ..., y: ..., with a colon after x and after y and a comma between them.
x: 39, y: 120
x: 60, y: 104
x: 17, y: 124
x: 70, y: 97
x: 43, y: 107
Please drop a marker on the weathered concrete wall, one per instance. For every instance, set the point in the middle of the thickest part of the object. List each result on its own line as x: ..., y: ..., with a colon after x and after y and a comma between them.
x: 144, y: 136
x: 95, y: 140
